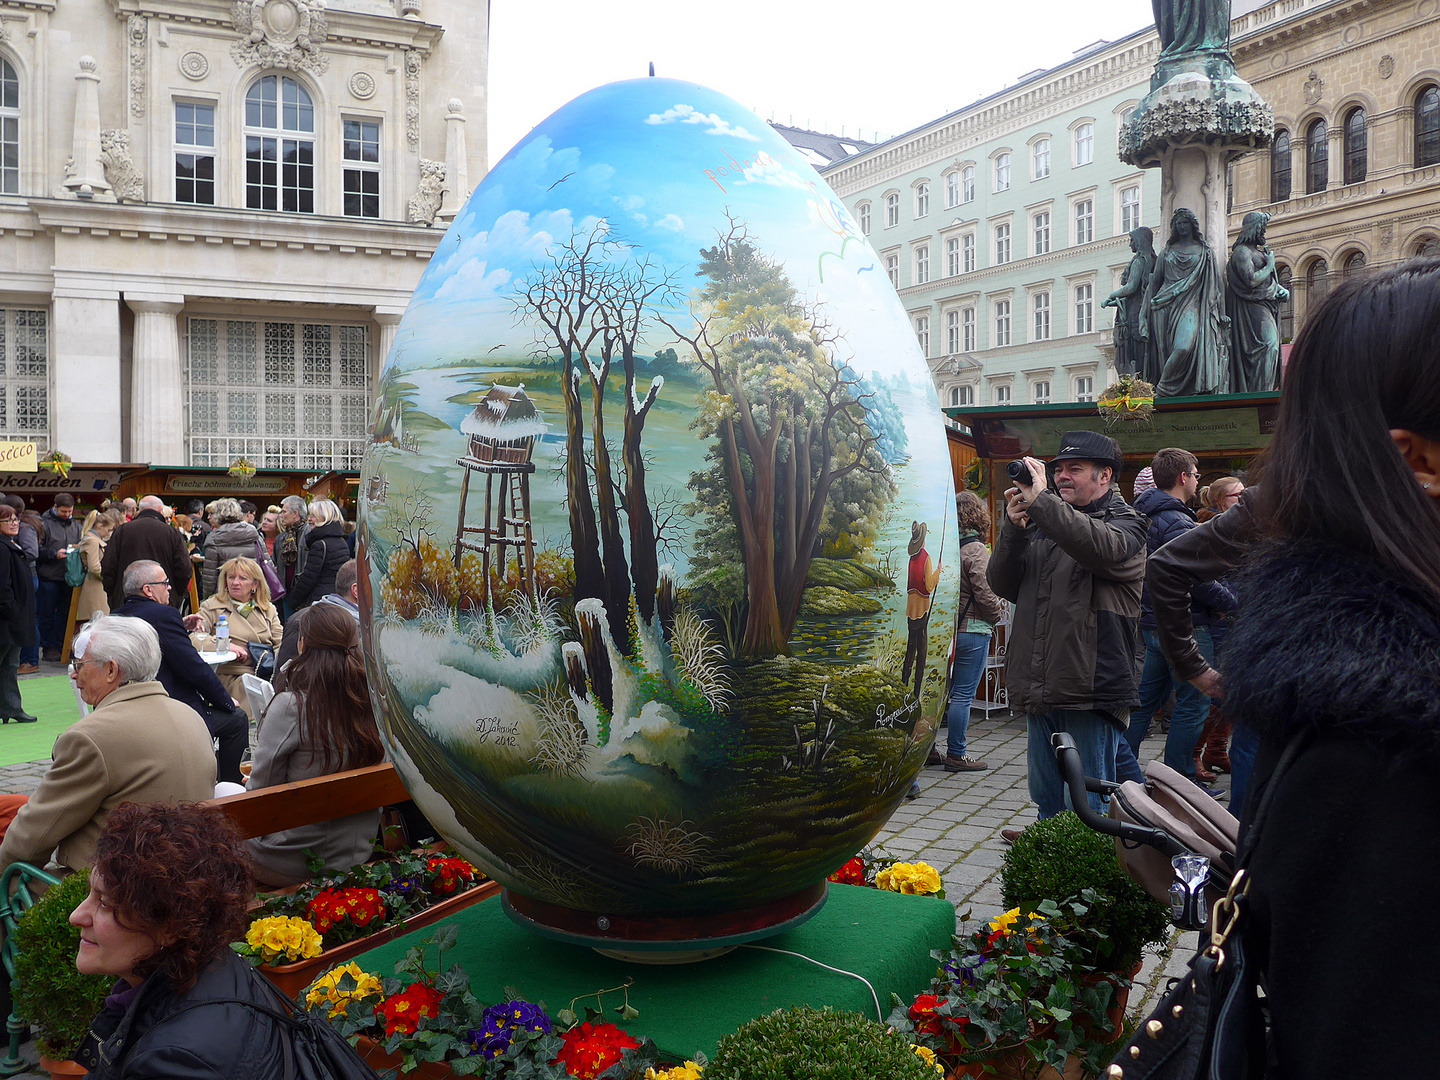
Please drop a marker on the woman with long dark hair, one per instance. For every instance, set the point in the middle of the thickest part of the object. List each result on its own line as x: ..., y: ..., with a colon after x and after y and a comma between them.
x: 321, y: 724
x: 1338, y: 637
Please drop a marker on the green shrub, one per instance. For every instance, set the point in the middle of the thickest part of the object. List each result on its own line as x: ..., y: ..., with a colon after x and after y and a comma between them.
x: 49, y: 992
x: 1057, y: 858
x: 807, y: 1044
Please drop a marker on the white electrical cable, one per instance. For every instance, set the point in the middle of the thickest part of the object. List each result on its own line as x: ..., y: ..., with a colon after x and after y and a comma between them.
x: 838, y: 971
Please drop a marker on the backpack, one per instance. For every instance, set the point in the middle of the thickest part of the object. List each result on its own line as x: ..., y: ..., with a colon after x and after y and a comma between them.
x: 74, y: 569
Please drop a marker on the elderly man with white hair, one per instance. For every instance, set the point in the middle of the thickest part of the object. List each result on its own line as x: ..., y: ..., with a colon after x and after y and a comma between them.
x: 148, y: 536
x: 138, y: 745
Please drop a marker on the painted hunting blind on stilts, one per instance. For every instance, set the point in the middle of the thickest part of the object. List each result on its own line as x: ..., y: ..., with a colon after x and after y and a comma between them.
x: 502, y: 430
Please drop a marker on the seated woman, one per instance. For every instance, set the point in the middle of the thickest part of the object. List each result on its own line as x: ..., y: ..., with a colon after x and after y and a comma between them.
x: 321, y: 724
x: 244, y: 598
x: 169, y: 891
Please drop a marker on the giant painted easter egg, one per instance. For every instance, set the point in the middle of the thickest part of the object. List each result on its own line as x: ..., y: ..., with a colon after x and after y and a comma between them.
x: 658, y: 522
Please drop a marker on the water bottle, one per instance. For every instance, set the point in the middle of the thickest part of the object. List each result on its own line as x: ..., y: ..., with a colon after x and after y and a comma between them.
x: 222, y: 635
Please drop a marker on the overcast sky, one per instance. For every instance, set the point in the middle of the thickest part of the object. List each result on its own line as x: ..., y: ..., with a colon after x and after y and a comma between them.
x: 820, y: 64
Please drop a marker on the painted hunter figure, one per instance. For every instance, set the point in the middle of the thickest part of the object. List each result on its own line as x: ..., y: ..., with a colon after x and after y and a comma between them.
x: 920, y: 580
x: 1187, y: 26
x: 1130, y: 344
x: 1253, y: 295
x: 1184, y: 316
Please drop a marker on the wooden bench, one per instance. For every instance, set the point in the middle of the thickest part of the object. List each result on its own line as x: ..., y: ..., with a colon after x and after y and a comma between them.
x: 308, y: 802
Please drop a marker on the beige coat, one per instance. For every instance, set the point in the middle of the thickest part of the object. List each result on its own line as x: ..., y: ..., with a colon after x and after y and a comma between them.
x: 137, y: 746
x: 93, y: 601
x: 259, y: 626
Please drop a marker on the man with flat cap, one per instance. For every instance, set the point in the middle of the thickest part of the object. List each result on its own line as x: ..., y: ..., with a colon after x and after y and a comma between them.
x: 1072, y: 558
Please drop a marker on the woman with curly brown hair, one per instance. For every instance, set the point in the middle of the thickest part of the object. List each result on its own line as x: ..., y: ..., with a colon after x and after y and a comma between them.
x: 321, y: 724
x: 169, y: 891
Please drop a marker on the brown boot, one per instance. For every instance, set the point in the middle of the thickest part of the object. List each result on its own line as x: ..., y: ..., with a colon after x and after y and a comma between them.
x: 1204, y: 775
x: 1216, y: 752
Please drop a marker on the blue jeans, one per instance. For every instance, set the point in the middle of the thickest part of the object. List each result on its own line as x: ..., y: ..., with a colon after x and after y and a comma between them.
x: 970, y: 653
x: 1096, y: 739
x: 1127, y: 765
x: 1191, y: 706
x: 52, y: 610
x: 1243, y: 745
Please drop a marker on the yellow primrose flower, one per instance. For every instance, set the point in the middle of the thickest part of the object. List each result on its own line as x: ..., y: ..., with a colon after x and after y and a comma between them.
x: 688, y: 1071
x: 912, y: 879
x: 326, y: 989
x: 279, y: 936
x: 1001, y: 924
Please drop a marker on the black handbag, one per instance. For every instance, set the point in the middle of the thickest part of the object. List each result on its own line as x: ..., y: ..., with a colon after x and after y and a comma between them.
x: 1210, y: 1025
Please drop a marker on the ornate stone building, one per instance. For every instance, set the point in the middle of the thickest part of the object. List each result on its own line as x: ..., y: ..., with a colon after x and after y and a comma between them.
x: 212, y: 215
x: 1353, y: 178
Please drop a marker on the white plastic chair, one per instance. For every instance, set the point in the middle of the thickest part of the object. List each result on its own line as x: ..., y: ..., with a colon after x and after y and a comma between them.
x: 258, y: 693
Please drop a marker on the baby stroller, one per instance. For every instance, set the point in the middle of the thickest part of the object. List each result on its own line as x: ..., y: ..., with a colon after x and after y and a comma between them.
x: 1171, y: 837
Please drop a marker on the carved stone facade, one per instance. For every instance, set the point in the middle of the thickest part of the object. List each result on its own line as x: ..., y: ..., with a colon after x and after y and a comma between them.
x: 1370, y: 201
x: 154, y: 227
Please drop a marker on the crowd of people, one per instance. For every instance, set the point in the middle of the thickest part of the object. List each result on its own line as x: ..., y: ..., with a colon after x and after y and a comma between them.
x: 170, y: 718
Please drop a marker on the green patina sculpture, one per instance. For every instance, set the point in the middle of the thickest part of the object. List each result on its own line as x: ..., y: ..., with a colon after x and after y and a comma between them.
x: 1130, y: 344
x: 1184, y: 316
x: 1188, y: 26
x: 1253, y: 296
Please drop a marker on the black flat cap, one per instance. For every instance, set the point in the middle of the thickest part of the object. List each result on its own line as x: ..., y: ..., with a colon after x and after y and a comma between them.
x: 1090, y: 446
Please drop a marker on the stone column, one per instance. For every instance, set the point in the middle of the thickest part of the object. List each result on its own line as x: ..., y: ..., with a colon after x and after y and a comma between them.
x: 85, y: 410
x: 88, y: 178
x: 157, y: 382
x: 457, y: 164
x: 388, y: 320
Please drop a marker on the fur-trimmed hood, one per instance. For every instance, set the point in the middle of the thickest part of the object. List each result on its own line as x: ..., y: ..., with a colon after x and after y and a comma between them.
x: 1331, y: 640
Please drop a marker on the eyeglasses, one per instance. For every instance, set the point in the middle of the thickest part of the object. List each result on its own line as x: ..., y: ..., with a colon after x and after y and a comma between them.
x: 76, y: 665
x: 157, y: 584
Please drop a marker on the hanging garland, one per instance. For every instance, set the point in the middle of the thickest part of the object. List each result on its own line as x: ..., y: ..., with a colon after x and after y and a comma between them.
x: 57, y: 463
x: 242, y: 467
x: 1131, y: 400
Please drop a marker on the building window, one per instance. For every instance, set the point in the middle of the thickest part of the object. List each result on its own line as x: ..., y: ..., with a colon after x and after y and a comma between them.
x: 863, y: 212
x: 194, y: 153
x: 1229, y: 186
x: 279, y: 147
x: 967, y: 253
x: 952, y: 189
x: 1287, y: 309
x: 285, y: 395
x: 1002, y: 172
x: 967, y: 184
x: 25, y: 375
x: 1427, y: 127
x: 9, y: 129
x: 1040, y: 304
x: 892, y: 269
x: 952, y: 256
x: 1041, y: 232
x: 922, y: 199
x: 922, y: 264
x: 954, y: 397
x: 1429, y: 248
x: 1084, y: 144
x: 1040, y: 392
x: 1040, y: 159
x: 1002, y: 323
x: 1084, y: 308
x: 1354, y: 264
x: 1317, y: 283
x: 1002, y: 243
x: 1001, y: 394
x: 362, y: 168
x: 1084, y: 221
x: 1130, y: 209
x: 892, y: 210
x: 952, y: 332
x: 922, y: 333
x: 1355, y: 147
x: 1280, y: 167
x: 967, y: 395
x: 967, y: 330
x: 1085, y: 388
x: 1317, y: 157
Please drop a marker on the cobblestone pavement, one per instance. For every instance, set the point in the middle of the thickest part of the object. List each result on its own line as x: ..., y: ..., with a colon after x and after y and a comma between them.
x: 954, y: 826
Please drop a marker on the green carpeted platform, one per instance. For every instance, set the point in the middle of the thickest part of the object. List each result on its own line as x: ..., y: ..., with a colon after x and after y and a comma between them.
x: 51, y: 699
x: 884, y: 937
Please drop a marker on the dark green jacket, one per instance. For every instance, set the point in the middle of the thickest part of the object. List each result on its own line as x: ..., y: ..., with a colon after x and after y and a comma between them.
x: 1075, y: 576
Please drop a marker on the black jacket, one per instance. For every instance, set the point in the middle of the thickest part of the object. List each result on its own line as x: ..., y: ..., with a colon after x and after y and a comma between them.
x: 59, y: 533
x: 154, y: 1038
x: 17, y: 598
x: 326, y: 554
x: 184, y: 675
x: 1327, y: 640
x: 1170, y: 518
x: 146, y: 536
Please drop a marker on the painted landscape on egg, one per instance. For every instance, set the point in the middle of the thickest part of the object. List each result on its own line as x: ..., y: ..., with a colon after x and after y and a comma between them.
x: 636, y: 515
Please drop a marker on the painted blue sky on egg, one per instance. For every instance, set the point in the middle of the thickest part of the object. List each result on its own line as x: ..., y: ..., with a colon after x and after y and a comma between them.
x: 660, y: 162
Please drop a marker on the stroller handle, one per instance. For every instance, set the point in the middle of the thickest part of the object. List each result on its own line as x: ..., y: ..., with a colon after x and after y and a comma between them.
x: 1073, y: 772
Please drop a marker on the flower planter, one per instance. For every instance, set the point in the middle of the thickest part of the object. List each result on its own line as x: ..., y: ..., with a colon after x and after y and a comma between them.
x: 1017, y: 1065
x: 1115, y: 1015
x: 293, y: 978
x: 66, y: 1068
x: 376, y: 1057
